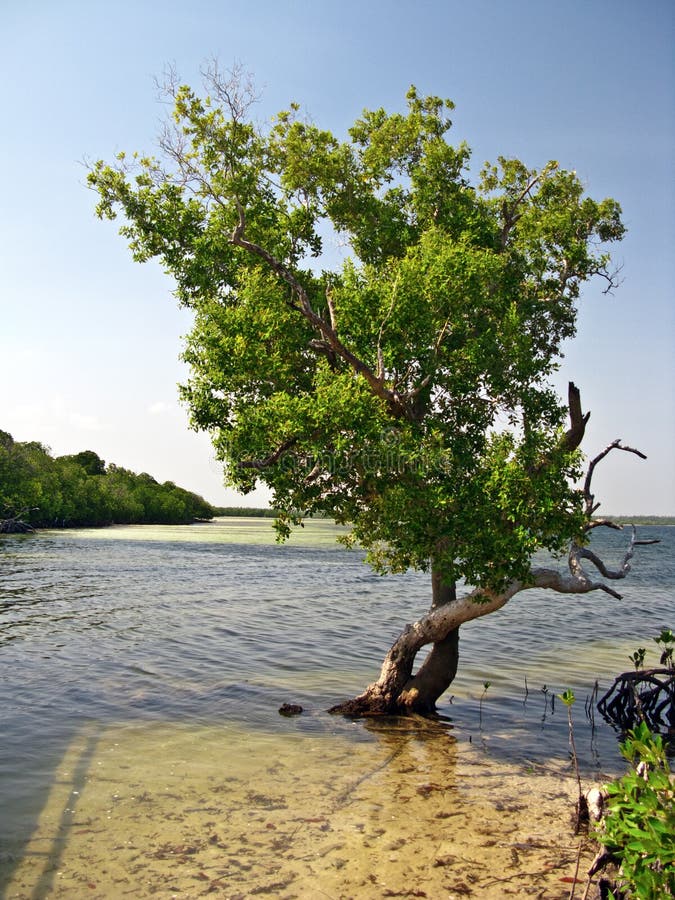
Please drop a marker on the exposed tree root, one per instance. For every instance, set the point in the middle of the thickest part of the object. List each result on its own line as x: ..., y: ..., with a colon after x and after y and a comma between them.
x: 646, y: 695
x: 15, y: 526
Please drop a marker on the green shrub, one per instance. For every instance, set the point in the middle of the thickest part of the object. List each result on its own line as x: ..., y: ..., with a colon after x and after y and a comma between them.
x: 639, y: 828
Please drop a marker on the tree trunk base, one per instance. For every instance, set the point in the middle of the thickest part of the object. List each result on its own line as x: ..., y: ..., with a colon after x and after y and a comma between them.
x: 370, y: 703
x: 398, y: 692
x: 373, y: 705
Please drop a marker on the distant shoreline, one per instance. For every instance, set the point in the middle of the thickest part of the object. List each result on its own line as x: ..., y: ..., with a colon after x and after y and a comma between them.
x: 643, y: 520
x: 252, y: 512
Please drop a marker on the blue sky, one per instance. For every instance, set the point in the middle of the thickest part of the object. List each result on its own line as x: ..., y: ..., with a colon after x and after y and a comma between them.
x: 90, y: 341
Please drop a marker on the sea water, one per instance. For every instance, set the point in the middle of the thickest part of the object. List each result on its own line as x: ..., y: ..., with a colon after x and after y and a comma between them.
x: 141, y: 673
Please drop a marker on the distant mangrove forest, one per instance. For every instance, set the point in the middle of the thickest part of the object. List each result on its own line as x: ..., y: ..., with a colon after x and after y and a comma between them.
x: 81, y: 490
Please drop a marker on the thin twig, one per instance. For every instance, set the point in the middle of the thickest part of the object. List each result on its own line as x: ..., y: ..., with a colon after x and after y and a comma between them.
x: 576, y: 872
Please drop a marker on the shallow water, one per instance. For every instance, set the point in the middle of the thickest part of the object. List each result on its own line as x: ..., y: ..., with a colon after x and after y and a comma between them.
x: 165, y: 653
x: 178, y: 811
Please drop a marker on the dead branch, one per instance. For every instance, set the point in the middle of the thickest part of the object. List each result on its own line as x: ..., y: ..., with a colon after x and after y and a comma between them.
x: 578, y: 552
x: 234, y: 88
x: 624, y: 568
x: 578, y: 421
x: 15, y: 524
x: 589, y: 498
x: 604, y: 523
x: 574, y: 434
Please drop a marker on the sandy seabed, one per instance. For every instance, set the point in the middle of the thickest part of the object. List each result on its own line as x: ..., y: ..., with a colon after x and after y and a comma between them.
x: 171, y: 811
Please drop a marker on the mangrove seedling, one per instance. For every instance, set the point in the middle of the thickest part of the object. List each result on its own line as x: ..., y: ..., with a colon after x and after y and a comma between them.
x: 568, y: 699
x: 667, y: 639
x: 486, y: 685
x: 638, y: 658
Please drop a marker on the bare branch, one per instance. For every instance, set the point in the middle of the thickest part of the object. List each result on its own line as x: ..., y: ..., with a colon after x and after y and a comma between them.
x: 576, y: 581
x: 578, y: 421
x: 234, y: 88
x: 575, y: 433
x: 577, y: 553
x: 591, y: 506
x: 611, y: 278
x: 603, y: 523
x: 167, y: 86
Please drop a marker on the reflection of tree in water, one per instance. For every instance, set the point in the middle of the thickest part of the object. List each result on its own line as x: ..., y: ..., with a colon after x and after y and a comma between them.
x: 414, y: 744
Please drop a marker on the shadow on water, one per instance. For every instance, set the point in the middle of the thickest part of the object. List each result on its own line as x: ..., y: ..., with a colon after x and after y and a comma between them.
x: 173, y: 769
x: 46, y: 862
x: 326, y: 808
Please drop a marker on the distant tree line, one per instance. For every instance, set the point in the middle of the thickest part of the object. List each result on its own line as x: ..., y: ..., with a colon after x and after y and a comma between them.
x: 245, y: 511
x: 80, y: 489
x: 643, y: 520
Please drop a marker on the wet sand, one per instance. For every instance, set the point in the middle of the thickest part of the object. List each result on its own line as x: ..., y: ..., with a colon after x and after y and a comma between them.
x: 166, y: 811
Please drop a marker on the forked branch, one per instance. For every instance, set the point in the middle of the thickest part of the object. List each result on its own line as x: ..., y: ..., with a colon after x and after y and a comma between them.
x: 589, y: 498
x: 270, y: 460
x: 579, y: 552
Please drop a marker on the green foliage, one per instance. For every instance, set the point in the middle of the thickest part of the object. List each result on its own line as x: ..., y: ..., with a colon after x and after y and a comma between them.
x: 639, y: 827
x: 666, y: 645
x: 569, y: 700
x: 666, y: 640
x: 80, y: 490
x: 405, y: 388
x: 638, y: 658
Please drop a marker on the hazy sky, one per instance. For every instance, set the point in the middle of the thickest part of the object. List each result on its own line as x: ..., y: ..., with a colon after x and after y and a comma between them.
x: 90, y: 341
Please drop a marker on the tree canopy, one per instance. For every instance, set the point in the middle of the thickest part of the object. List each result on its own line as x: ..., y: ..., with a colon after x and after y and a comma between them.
x: 403, y: 389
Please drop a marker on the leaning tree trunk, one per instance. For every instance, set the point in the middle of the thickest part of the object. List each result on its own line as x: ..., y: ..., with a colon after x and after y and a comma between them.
x: 438, y: 670
x: 399, y: 691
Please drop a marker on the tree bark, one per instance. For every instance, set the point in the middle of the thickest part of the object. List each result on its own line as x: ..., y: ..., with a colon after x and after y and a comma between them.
x: 438, y: 670
x: 398, y: 691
